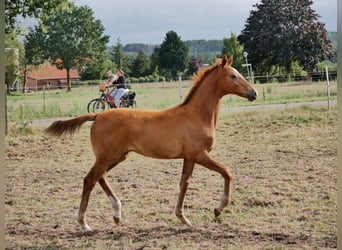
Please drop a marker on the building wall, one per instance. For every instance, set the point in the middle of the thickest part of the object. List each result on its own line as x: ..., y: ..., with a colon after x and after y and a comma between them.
x: 33, y: 84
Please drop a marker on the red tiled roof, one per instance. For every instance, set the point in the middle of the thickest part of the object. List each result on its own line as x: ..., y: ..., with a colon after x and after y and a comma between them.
x: 48, y: 71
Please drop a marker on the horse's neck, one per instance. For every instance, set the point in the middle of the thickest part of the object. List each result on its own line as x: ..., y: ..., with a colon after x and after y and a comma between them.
x: 206, y: 102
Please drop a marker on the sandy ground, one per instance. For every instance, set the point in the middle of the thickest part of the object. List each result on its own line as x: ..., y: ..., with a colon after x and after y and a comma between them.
x: 284, y: 190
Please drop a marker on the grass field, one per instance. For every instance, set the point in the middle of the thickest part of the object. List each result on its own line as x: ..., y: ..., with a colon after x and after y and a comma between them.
x: 284, y: 165
x: 59, y: 103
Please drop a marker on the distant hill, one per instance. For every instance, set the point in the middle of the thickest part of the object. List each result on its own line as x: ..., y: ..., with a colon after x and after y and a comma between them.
x: 207, y: 50
x: 333, y: 37
x: 204, y: 46
x: 195, y: 46
x: 136, y: 47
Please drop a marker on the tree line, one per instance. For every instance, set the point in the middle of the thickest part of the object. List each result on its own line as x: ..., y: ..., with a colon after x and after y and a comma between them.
x: 279, y: 36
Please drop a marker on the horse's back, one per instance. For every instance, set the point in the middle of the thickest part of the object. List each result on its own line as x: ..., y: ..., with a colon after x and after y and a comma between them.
x: 156, y: 134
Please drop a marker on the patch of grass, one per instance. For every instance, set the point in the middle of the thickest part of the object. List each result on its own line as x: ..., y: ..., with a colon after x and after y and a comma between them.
x: 310, y: 115
x: 59, y: 103
x: 23, y: 129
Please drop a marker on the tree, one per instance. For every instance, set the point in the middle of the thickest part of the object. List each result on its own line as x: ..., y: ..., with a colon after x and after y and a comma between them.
x: 68, y: 38
x: 97, y: 68
x: 194, y: 65
x: 232, y: 46
x: 118, y: 56
x: 34, y: 46
x: 140, y: 65
x: 27, y: 8
x: 12, y: 67
x: 14, y: 58
x: 154, y: 58
x: 173, y: 55
x: 155, y: 74
x: 281, y: 32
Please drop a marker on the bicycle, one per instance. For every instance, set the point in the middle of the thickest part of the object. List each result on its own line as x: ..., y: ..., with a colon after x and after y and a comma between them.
x: 106, y: 101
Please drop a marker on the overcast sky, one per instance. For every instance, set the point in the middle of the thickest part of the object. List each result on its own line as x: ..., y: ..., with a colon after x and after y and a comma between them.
x: 137, y: 21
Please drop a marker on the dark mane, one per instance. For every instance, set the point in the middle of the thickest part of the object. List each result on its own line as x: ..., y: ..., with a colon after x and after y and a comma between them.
x: 198, y: 79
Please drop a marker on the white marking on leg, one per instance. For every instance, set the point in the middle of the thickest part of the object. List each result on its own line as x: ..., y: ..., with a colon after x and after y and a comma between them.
x: 86, y: 228
x: 84, y: 225
x: 116, y: 204
x: 224, y: 202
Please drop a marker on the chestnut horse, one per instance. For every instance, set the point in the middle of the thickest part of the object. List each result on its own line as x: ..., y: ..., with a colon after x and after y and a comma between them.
x: 185, y: 131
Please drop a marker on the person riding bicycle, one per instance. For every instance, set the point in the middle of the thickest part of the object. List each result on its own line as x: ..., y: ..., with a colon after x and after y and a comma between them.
x: 119, y: 81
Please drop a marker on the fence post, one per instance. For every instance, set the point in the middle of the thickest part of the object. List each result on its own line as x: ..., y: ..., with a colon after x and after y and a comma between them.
x: 180, y: 88
x: 2, y: 151
x: 328, y: 85
x: 44, y: 98
x: 6, y: 118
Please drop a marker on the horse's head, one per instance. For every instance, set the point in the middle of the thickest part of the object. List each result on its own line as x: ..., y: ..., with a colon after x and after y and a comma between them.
x: 230, y: 81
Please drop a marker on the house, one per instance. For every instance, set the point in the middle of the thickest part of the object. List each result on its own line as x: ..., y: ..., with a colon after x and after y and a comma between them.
x: 49, y: 77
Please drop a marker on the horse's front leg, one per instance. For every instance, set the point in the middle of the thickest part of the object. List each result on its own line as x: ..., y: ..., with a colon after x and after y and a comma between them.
x: 207, y: 161
x: 188, y: 168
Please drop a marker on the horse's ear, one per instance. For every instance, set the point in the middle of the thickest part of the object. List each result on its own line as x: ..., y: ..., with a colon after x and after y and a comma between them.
x: 224, y: 60
x: 230, y: 60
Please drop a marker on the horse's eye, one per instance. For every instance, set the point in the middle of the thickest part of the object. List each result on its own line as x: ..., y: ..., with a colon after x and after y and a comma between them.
x: 233, y: 76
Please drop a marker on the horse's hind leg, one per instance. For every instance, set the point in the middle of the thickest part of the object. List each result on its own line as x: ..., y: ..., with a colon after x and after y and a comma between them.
x: 188, y: 168
x: 116, y: 204
x: 97, y: 174
x: 89, y: 182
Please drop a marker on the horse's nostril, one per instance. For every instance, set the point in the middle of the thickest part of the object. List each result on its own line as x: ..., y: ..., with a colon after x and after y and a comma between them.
x: 252, y: 95
x: 255, y: 93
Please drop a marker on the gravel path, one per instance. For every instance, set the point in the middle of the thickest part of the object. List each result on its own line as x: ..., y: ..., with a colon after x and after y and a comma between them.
x: 276, y: 106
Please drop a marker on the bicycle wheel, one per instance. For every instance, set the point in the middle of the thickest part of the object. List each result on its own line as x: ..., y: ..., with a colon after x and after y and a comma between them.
x: 133, y: 104
x: 98, y: 105
x: 91, y: 104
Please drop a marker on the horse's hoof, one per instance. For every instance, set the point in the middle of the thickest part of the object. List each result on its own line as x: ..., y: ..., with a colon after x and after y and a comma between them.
x: 184, y: 220
x: 116, y: 220
x: 217, y: 212
x: 86, y: 228
x: 188, y: 223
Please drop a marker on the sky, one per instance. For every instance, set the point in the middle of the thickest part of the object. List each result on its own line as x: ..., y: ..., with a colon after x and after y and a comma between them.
x: 148, y: 21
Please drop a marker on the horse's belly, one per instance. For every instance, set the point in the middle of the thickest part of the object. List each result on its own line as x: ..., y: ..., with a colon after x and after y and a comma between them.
x: 159, y: 150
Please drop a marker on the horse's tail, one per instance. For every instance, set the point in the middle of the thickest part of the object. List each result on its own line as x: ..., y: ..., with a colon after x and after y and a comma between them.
x: 62, y: 127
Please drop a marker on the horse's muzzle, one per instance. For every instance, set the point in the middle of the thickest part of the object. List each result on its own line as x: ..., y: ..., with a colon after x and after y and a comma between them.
x: 252, y: 95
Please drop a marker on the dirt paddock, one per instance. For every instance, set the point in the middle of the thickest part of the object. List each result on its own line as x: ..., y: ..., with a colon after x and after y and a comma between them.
x: 284, y: 190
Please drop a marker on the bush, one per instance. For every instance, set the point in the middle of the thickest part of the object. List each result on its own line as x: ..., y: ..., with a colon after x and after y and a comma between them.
x: 133, y: 80
x: 23, y: 128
